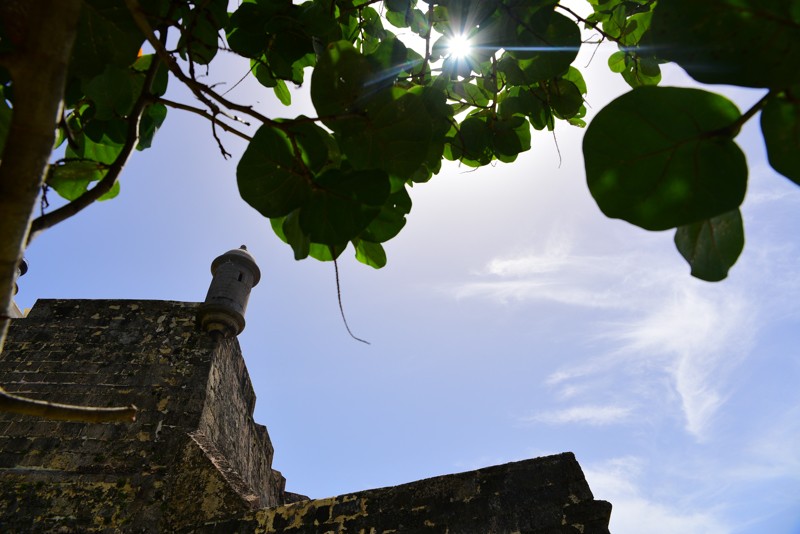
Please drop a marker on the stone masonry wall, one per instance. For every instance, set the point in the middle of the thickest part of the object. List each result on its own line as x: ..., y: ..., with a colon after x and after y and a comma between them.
x: 227, y: 422
x: 547, y: 495
x: 111, y: 476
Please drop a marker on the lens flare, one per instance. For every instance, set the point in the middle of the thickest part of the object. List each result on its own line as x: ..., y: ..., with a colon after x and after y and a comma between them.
x: 459, y: 46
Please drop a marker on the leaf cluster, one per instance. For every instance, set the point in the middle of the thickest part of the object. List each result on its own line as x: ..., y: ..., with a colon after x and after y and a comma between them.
x: 389, y: 111
x: 665, y: 157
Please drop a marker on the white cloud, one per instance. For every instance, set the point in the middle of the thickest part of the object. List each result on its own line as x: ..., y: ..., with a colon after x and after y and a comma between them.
x: 593, y: 415
x: 703, y: 336
x: 657, y: 321
x: 634, y: 511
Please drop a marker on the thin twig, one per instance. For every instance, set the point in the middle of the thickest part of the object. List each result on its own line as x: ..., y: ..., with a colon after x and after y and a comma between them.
x: 341, y: 308
x: 200, y: 90
x: 558, y: 150
x: 206, y: 115
x: 592, y: 25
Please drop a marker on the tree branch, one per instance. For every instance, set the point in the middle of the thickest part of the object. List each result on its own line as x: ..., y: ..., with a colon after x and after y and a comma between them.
x: 206, y: 115
x: 64, y: 412
x: 200, y: 90
x: 49, y: 220
x: 42, y: 34
x: 592, y: 25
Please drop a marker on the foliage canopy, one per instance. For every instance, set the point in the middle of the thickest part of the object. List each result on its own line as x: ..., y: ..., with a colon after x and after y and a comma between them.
x: 389, y: 111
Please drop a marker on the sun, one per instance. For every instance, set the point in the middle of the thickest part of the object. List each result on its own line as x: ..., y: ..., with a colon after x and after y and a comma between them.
x: 459, y: 46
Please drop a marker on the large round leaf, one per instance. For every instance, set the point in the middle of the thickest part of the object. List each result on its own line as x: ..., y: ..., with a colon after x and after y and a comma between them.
x: 269, y: 176
x: 107, y: 34
x: 341, y: 82
x: 780, y: 123
x: 662, y: 157
x: 111, y: 92
x: 712, y: 246
x: 754, y: 43
x: 549, y: 53
x: 391, y: 218
x: 343, y: 204
x: 394, y: 136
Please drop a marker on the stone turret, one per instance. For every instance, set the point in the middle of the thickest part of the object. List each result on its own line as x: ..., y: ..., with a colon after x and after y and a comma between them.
x: 234, y: 273
x: 14, y: 311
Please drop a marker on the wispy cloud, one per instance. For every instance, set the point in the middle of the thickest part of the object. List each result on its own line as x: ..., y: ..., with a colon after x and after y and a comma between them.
x: 589, y: 414
x: 636, y: 511
x: 656, y: 323
x: 700, y: 337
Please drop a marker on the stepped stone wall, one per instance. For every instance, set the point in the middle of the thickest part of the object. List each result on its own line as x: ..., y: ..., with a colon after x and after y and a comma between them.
x: 193, y: 453
x: 195, y: 461
x: 547, y: 495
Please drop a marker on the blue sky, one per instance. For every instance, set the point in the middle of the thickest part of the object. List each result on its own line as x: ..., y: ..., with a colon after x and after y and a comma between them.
x: 513, y: 320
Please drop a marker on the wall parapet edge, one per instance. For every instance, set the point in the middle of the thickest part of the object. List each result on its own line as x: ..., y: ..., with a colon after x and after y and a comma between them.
x: 547, y: 495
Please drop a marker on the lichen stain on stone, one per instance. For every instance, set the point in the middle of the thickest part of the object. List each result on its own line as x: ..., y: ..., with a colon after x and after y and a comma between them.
x: 213, y: 495
x: 162, y: 405
x: 341, y: 519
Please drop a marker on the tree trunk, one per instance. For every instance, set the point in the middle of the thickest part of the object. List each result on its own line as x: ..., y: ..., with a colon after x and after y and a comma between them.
x: 42, y: 33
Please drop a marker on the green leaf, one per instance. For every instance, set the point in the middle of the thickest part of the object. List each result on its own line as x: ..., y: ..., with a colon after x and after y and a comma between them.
x: 371, y: 254
x: 341, y: 82
x: 282, y: 92
x: 324, y: 252
x: 780, y: 124
x: 104, y: 150
x: 398, y: 20
x: 111, y: 93
x: 712, y: 246
x: 245, y: 30
x: 574, y: 75
x: 510, y: 137
x: 471, y: 93
x: 737, y: 42
x: 547, y: 54
x: 318, y: 148
x: 199, y: 37
x: 269, y: 176
x: 616, y: 61
x: 112, y: 193
x: 471, y: 143
x: 419, y: 23
x: 640, y: 70
x: 159, y: 85
x: 297, y: 239
x: 106, y: 35
x: 152, y: 119
x: 391, y: 219
x: 662, y: 157
x: 394, y: 136
x: 565, y: 98
x: 342, y: 205
x: 72, y: 178
x: 110, y: 132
